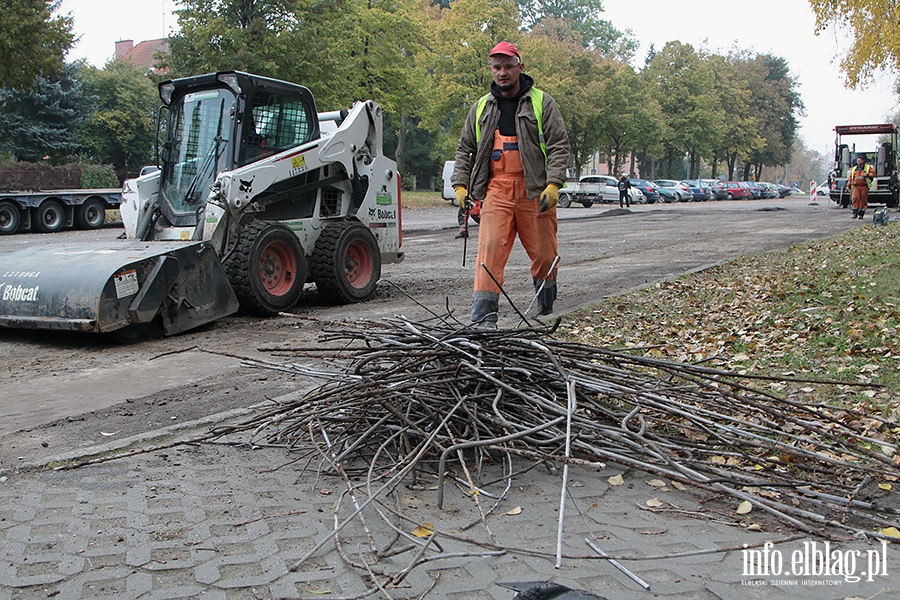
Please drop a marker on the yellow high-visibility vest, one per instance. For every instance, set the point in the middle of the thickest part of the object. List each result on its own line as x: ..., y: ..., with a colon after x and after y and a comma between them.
x: 867, y: 171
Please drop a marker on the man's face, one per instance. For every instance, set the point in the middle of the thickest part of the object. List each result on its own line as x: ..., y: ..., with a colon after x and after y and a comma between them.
x: 505, y: 70
x: 860, y: 160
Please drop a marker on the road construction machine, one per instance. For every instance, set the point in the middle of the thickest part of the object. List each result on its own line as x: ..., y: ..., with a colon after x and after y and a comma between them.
x: 881, y: 154
x: 257, y: 194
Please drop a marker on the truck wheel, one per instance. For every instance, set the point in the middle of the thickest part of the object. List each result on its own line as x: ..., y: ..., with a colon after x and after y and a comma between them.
x: 267, y: 268
x: 49, y: 217
x: 565, y: 200
x: 346, y: 264
x: 587, y: 202
x: 9, y: 218
x: 90, y: 215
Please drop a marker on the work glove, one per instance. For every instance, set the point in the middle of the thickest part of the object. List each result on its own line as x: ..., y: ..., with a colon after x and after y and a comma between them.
x: 463, y: 199
x: 549, y: 197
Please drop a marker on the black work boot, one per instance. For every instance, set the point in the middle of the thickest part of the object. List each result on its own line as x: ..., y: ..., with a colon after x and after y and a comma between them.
x: 546, y: 296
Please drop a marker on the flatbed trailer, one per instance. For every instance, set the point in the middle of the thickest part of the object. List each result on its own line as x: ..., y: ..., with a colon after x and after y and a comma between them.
x: 48, y: 211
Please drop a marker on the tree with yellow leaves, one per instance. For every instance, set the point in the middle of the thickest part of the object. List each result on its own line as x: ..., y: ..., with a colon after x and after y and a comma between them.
x: 872, y: 25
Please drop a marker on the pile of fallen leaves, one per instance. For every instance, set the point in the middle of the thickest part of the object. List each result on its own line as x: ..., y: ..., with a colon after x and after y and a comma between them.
x: 827, y: 309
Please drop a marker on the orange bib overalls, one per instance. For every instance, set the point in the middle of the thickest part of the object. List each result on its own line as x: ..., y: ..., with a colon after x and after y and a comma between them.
x: 859, y: 190
x: 506, y: 212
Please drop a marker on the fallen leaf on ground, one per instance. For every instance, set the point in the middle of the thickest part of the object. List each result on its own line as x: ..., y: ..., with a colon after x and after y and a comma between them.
x: 615, y: 480
x: 744, y: 507
x: 423, y: 531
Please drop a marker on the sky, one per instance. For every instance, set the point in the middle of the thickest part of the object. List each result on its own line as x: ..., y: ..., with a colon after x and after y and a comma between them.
x: 783, y: 28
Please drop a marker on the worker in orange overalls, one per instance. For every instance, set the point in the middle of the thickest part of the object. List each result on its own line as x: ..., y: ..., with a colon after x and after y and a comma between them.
x: 860, y: 177
x: 512, y: 155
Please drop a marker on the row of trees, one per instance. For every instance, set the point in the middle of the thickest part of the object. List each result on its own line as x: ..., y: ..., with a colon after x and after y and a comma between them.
x: 685, y: 112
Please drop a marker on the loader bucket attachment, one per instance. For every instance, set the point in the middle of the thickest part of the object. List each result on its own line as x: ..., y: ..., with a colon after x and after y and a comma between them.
x: 106, y: 288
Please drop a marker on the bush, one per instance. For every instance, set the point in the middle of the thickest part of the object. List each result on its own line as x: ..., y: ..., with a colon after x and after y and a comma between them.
x: 27, y: 176
x: 99, y: 176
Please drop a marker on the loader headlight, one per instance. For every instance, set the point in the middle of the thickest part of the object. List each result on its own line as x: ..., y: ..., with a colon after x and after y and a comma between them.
x: 166, y: 89
x: 230, y: 79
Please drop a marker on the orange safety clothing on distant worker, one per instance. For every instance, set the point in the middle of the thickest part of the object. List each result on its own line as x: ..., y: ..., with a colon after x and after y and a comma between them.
x: 859, y: 177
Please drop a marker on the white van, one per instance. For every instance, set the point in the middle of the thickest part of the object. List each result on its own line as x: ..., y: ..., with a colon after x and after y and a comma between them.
x: 447, y: 192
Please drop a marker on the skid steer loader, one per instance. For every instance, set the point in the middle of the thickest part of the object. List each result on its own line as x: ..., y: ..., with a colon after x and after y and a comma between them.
x: 256, y: 195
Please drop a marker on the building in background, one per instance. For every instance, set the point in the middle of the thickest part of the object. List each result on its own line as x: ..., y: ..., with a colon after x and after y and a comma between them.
x: 144, y: 54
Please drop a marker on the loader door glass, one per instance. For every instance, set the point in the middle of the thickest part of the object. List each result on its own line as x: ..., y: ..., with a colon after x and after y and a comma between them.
x: 277, y: 123
x: 197, y: 149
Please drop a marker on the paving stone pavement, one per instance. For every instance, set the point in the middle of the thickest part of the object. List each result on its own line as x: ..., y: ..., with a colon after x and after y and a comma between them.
x: 224, y: 521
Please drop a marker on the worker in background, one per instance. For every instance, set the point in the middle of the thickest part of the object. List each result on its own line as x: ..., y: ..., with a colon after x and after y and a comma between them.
x: 503, y: 160
x: 624, y: 186
x: 462, y: 217
x: 861, y: 177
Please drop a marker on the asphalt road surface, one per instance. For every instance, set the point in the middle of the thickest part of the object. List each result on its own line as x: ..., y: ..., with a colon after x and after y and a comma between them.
x: 63, y: 391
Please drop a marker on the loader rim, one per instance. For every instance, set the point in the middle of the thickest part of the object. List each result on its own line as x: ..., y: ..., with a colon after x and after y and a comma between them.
x: 358, y: 264
x: 346, y: 263
x: 277, y: 268
x: 9, y: 218
x: 267, y: 269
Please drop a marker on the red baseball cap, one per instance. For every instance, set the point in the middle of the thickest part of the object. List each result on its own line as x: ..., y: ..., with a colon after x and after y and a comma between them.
x: 506, y: 49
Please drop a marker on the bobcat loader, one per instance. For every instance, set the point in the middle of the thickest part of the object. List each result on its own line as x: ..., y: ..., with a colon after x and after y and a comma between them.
x: 257, y: 194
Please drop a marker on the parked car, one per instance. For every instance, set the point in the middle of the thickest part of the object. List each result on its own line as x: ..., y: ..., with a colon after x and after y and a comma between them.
x: 755, y: 191
x: 670, y: 187
x: 610, y: 193
x: 718, y: 189
x: 736, y: 190
x: 447, y: 191
x: 587, y: 190
x: 700, y: 190
x: 768, y: 189
x: 782, y: 190
x: 648, y: 188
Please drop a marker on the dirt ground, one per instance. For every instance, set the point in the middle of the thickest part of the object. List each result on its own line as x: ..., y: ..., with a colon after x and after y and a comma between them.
x: 67, y: 391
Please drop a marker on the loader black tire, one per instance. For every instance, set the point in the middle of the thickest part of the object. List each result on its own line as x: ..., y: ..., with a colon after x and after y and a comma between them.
x: 9, y: 218
x: 90, y: 215
x: 346, y: 263
x: 49, y: 217
x: 267, y: 269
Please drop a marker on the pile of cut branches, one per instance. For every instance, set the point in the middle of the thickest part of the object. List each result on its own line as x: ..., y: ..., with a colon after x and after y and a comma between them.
x: 417, y: 397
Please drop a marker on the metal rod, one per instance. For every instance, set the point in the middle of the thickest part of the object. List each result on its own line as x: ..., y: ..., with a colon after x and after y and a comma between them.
x: 618, y: 565
x: 570, y: 393
x: 541, y: 288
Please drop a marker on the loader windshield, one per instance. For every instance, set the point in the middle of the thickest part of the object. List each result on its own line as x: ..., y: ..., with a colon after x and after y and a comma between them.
x: 198, y: 145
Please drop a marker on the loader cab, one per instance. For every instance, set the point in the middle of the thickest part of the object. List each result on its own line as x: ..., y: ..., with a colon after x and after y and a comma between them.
x: 221, y: 121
